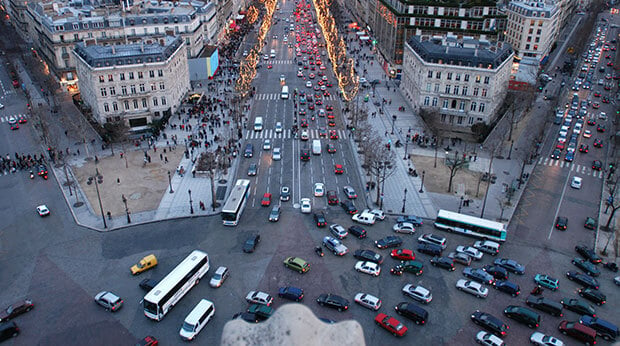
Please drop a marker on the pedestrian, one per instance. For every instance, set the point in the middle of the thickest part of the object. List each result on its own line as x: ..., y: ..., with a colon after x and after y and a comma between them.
x: 161, y: 156
x: 166, y: 159
x: 121, y: 153
x: 118, y: 181
x: 78, y: 151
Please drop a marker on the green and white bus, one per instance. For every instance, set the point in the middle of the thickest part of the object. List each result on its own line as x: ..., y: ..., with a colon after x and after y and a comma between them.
x: 470, y: 225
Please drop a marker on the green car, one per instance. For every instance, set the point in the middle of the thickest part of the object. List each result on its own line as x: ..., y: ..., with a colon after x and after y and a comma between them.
x: 586, y: 266
x: 413, y: 267
x: 547, y: 281
x: 590, y: 223
x: 578, y: 306
x: 297, y: 264
x: 261, y: 311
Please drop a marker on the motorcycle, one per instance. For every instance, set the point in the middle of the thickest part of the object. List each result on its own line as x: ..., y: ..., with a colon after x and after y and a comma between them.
x: 31, y: 175
x: 537, y: 291
x: 611, y: 266
x: 319, y: 251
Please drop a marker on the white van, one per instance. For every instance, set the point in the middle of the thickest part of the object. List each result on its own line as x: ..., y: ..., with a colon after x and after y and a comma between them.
x: 258, y: 124
x: 272, y: 54
x: 316, y: 147
x: 364, y: 218
x: 284, y: 94
x: 197, y: 319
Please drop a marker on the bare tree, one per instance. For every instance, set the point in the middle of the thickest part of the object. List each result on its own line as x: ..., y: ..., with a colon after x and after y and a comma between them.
x: 454, y: 165
x: 431, y: 117
x: 214, y: 163
x: 503, y: 205
x: 116, y: 132
x: 379, y: 162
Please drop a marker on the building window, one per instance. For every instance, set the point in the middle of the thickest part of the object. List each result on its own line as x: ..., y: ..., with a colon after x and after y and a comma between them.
x: 153, y: 87
x: 106, y: 107
x: 160, y: 73
x: 140, y: 75
x: 163, y: 100
x: 462, y: 106
x: 481, y: 107
x: 437, y: 87
x: 438, y: 75
x: 445, y: 103
x: 142, y: 88
x: 124, y: 90
x: 475, y: 91
x: 486, y: 80
x: 464, y: 91
x: 101, y: 79
x: 527, y: 46
x: 130, y: 75
x: 155, y: 102
x: 112, y: 91
x: 104, y: 93
x: 133, y: 89
x: 458, y: 77
x: 428, y: 87
x: 447, y: 89
x: 449, y: 75
x: 467, y: 78
x: 121, y: 76
x: 434, y: 102
x: 430, y: 74
x: 477, y: 78
x: 144, y: 103
x: 443, y: 118
x: 459, y: 120
x: 162, y: 86
x: 135, y: 104
x: 427, y: 100
x: 152, y: 74
x: 484, y: 92
x: 110, y: 78
x: 473, y: 106
x: 456, y: 90
x: 126, y: 105
x: 471, y: 120
x: 115, y: 106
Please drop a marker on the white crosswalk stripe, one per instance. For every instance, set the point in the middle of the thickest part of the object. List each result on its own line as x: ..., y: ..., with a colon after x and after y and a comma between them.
x: 6, y: 117
x: 286, y: 134
x: 276, y: 96
x: 578, y: 169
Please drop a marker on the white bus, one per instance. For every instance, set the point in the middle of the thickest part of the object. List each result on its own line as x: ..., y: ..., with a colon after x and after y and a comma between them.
x: 470, y: 225
x: 233, y: 208
x: 175, y: 285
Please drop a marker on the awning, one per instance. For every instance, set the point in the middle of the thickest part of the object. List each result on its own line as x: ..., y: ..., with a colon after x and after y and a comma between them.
x: 364, y: 38
x: 360, y: 33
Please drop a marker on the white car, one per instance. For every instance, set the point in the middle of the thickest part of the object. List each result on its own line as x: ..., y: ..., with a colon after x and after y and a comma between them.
x: 587, y: 133
x: 472, y: 287
x: 1, y: 106
x: 278, y: 127
x: 404, y: 227
x: 282, y: 79
x: 12, y: 120
x: 339, y: 231
x: 300, y: 74
x: 304, y: 135
x: 538, y: 338
x: 379, y: 214
x: 258, y: 297
x: 576, y: 183
x: 488, y: 339
x: 308, y: 84
x: 43, y: 210
x: 306, y: 207
x: 267, y: 144
x: 221, y: 274
x: 418, y: 293
x: 276, y: 154
x: 470, y: 251
x: 366, y: 267
x: 319, y: 189
x: 368, y: 301
x: 266, y: 57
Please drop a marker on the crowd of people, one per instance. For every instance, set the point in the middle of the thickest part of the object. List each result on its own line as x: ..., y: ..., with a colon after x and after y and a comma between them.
x: 20, y: 162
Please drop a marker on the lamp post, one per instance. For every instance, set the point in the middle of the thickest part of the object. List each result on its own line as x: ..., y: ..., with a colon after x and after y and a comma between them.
x: 404, y: 201
x: 461, y: 204
x: 406, y: 146
x: 126, y: 209
x: 170, y: 183
x: 393, y: 122
x: 191, y: 206
x: 422, y: 185
x: 105, y: 225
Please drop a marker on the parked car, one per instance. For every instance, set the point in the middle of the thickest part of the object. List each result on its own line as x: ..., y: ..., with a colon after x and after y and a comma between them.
x: 418, y: 293
x: 578, y: 306
x: 472, y: 287
x: 586, y: 266
x: 389, y: 241
x: 592, y: 295
x: 490, y: 323
x: 391, y: 324
x: 258, y: 297
x: 510, y: 265
x: 368, y: 301
x: 443, y: 262
x: 507, y: 287
x: 291, y: 293
x: 583, y: 279
x: 16, y: 309
x: 333, y: 301
x: 368, y: 255
x: 109, y: 300
x: 218, y: 278
x: 523, y: 315
x: 478, y: 275
x: 335, y: 246
x: 297, y: 264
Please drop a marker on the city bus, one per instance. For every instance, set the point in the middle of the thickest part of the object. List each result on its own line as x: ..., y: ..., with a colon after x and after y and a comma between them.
x: 175, y: 285
x: 233, y: 208
x: 470, y: 225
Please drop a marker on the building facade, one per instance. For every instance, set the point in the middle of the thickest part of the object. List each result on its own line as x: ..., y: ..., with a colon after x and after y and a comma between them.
x: 56, y: 26
x: 465, y: 80
x: 395, y: 21
x: 533, y: 27
x: 135, y: 83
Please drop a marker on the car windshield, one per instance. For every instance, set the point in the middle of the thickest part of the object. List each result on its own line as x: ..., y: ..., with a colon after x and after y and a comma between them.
x: 9, y: 310
x: 217, y: 276
x: 188, y: 327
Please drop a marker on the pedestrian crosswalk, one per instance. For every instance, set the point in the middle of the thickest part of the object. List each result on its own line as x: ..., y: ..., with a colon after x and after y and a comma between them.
x: 5, y: 118
x: 578, y: 169
x: 286, y: 134
x: 280, y: 62
x: 277, y: 96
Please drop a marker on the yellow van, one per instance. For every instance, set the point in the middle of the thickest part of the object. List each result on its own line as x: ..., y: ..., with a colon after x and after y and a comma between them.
x: 148, y: 262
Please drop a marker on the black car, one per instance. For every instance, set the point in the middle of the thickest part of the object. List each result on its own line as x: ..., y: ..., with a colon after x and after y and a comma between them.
x: 368, y: 255
x: 247, y: 316
x: 507, y: 287
x: 561, y: 223
x: 490, y: 323
x: 583, y: 279
x: 333, y: 301
x: 443, y: 262
x: 348, y: 206
x: 578, y: 306
x: 250, y: 244
x: 588, y: 254
x: 586, y: 266
x: 510, y: 265
x: 357, y: 231
x: 320, y: 220
x: 498, y: 272
x: 594, y: 296
x: 148, y: 284
x: 430, y: 249
x: 523, y: 315
x: 389, y: 241
x: 42, y: 170
x: 478, y: 275
x: 291, y: 293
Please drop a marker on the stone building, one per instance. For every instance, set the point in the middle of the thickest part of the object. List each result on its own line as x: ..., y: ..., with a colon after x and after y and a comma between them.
x: 533, y: 27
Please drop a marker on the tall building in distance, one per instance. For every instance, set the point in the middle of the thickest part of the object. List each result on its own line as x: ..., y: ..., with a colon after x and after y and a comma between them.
x: 135, y: 83
x: 464, y: 80
x: 533, y: 27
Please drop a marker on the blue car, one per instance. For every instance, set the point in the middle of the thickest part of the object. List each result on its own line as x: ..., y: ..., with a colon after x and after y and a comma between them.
x: 291, y: 293
x: 415, y: 220
x: 570, y: 156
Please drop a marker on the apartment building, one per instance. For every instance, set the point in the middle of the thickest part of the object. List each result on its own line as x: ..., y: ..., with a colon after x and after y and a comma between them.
x: 533, y: 27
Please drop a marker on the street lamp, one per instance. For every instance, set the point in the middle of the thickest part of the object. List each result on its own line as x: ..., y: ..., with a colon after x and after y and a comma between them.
x: 170, y: 183
x: 404, y: 201
x: 126, y: 209
x: 393, y: 121
x: 191, y: 206
x: 461, y: 204
x: 422, y: 185
x: 105, y: 225
x: 406, y: 146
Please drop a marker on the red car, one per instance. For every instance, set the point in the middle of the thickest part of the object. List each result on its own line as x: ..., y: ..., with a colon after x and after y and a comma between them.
x: 269, y: 66
x: 560, y: 145
x: 311, y: 105
x: 331, y: 148
x: 391, y: 324
x: 597, y: 94
x: 332, y: 197
x: 331, y: 123
x: 266, y: 201
x: 16, y: 309
x: 329, y: 107
x: 595, y: 105
x: 333, y: 134
x: 148, y: 341
x: 403, y: 254
x: 338, y: 169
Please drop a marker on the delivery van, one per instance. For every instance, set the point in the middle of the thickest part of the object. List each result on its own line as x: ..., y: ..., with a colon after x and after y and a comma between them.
x: 284, y: 94
x: 197, y: 319
x: 258, y: 124
x: 316, y: 147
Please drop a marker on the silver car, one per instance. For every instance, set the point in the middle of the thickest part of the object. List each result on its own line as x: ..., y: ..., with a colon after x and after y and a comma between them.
x: 109, y: 300
x: 274, y: 215
x: 221, y: 274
